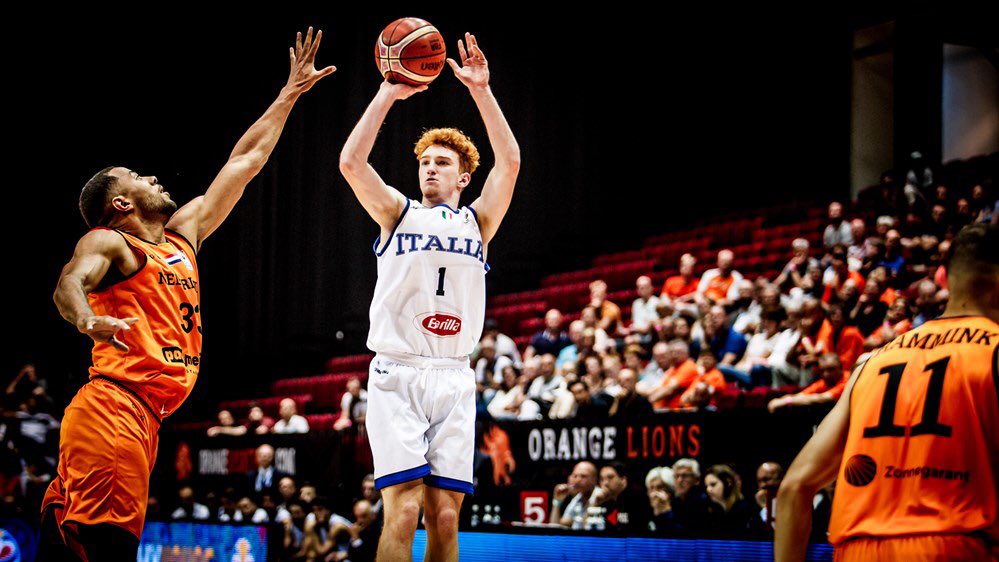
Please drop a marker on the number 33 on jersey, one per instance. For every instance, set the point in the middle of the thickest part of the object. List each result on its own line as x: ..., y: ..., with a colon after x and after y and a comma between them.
x: 430, y: 299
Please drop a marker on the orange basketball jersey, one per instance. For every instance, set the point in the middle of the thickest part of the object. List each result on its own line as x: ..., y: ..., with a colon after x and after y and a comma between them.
x: 164, y: 353
x: 922, y: 451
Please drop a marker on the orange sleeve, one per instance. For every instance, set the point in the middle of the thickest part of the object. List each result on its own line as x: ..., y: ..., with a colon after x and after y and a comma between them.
x: 837, y: 390
x: 817, y: 387
x: 684, y: 376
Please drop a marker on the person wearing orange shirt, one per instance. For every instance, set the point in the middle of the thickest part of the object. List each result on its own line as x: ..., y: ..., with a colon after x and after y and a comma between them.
x: 896, y: 323
x: 132, y: 286
x: 677, y: 378
x: 837, y: 337
x: 718, y: 285
x: 709, y: 381
x: 679, y: 290
x: 828, y: 388
x: 840, y: 273
x: 914, y: 444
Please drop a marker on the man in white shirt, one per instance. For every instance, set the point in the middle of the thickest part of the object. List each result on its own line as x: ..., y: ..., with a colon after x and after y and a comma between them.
x: 290, y: 421
x: 644, y: 311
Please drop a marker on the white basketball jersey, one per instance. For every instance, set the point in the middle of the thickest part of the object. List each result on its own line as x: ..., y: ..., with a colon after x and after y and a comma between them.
x: 430, y: 299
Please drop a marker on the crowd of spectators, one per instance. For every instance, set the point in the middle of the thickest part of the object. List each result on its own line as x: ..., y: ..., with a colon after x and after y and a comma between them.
x: 312, y: 528
x: 880, y: 271
x: 678, y: 500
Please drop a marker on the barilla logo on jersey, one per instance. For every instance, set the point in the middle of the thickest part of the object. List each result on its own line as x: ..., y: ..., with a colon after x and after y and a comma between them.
x: 179, y: 257
x: 440, y: 323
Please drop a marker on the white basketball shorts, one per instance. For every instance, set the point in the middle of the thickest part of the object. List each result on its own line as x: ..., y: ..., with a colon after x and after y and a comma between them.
x: 421, y: 421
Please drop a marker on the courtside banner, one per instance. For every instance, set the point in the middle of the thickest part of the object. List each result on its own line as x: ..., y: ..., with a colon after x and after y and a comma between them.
x: 199, y: 542
x: 542, y: 453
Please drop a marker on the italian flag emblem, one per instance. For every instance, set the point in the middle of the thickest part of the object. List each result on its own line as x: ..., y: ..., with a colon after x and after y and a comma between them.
x: 446, y: 215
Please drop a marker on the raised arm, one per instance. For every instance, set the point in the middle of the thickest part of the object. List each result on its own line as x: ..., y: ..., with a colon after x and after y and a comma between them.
x: 95, y: 253
x: 815, y: 466
x: 497, y: 192
x: 199, y: 218
x: 383, y: 203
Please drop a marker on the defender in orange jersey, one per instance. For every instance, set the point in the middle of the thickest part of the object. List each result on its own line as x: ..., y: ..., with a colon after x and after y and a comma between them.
x: 133, y: 287
x: 914, y: 442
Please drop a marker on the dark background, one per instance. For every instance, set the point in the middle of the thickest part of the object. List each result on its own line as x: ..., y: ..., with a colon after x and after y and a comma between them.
x: 629, y: 124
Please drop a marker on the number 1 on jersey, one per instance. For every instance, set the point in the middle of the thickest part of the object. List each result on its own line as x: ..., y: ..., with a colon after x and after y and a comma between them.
x: 440, y: 281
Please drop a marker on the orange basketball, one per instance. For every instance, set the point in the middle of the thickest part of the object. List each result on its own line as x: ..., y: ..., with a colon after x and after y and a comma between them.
x: 410, y: 51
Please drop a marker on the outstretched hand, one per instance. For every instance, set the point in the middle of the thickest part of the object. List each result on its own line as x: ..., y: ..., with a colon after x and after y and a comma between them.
x: 303, y: 57
x: 104, y: 329
x: 474, y: 69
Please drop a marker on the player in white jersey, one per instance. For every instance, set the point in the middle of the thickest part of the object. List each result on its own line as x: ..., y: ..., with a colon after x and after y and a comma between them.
x: 428, y: 310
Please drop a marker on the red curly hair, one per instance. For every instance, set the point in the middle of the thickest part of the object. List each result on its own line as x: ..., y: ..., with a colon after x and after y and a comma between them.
x: 468, y: 155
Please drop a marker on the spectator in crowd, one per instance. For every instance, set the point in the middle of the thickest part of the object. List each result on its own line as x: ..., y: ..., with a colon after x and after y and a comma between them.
x: 307, y: 493
x: 927, y: 304
x: 754, y: 368
x: 729, y: 511
x: 227, y: 506
x: 718, y: 284
x: 319, y: 541
x: 855, y: 252
x: 543, y: 388
x: 709, y: 381
x: 676, y: 380
x: 227, y: 425
x: 187, y: 508
x: 652, y: 377
x: 257, y: 422
x: 287, y: 494
x: 893, y: 259
x: 590, y: 404
x: 768, y: 478
x: 826, y: 390
x: 248, y: 511
x: 290, y: 421
x: 838, y: 274
x: 623, y: 509
x: 629, y: 404
x: 511, y: 401
x: 679, y: 291
x: 660, y: 488
x: 363, y: 533
x: 294, y: 532
x: 743, y: 312
x: 552, y: 340
x: 29, y: 385
x: 869, y: 312
x: 571, y: 499
x: 571, y: 351
x: 371, y: 494
x: 608, y: 313
x: 690, y: 505
x: 594, y: 337
x: 721, y: 338
x: 488, y: 368
x: 265, y: 478
x: 837, y: 231
x: 645, y: 309
x: 505, y: 346
x: 836, y: 336
x: 793, y: 274
x: 896, y: 323
x: 353, y: 405
x: 593, y: 372
x: 983, y: 206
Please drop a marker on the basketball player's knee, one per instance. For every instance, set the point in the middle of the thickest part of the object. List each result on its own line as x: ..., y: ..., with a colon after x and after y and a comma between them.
x: 405, y: 518
x: 445, y: 522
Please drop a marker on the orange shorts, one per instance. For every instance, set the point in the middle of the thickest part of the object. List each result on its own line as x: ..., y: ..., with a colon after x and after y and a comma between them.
x: 918, y: 548
x: 107, y: 449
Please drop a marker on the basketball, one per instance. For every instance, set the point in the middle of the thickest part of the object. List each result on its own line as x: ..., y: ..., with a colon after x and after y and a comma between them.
x: 410, y: 51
